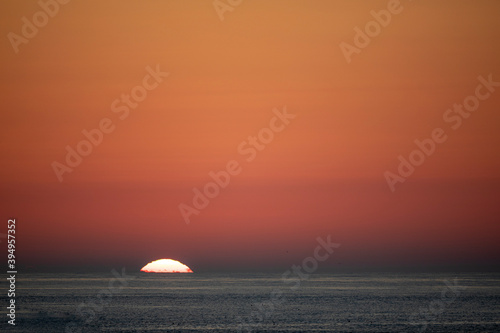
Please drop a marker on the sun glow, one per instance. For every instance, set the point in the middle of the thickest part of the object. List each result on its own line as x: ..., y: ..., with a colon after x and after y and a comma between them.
x: 166, y: 266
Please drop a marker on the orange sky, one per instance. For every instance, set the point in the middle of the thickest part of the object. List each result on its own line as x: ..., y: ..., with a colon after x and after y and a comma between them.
x: 323, y: 174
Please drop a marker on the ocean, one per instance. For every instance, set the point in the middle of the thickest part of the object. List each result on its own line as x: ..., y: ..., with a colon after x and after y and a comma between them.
x: 120, y: 301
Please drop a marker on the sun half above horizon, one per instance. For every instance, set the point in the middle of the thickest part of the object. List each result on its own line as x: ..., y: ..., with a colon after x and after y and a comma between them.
x: 166, y: 266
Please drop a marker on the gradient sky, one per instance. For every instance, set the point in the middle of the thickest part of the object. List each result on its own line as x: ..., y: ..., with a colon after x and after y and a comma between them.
x: 324, y: 174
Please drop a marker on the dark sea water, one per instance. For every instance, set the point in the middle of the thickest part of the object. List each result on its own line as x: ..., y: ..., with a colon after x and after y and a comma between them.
x: 255, y: 302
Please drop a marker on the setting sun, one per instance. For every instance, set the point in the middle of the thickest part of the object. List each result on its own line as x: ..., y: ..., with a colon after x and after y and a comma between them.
x: 166, y: 266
